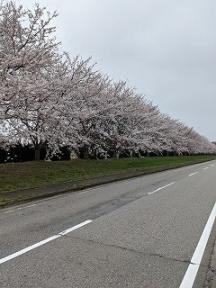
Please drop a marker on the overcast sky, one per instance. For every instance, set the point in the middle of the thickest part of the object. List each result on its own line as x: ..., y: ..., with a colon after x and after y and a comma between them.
x: 164, y: 48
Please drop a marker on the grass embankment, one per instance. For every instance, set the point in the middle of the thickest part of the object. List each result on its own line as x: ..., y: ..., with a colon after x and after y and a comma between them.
x: 19, y: 176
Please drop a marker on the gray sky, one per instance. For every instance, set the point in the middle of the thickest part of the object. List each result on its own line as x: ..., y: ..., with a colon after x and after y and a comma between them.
x: 164, y: 48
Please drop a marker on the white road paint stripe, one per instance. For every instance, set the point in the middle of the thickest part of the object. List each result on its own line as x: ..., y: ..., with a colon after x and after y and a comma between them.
x: 206, y: 168
x: 161, y: 188
x: 25, y: 207
x: 31, y: 205
x: 10, y: 211
x: 192, y: 174
x: 83, y: 192
x: 25, y: 250
x: 20, y: 208
x: 69, y: 230
x: 43, y: 242
x: 190, y: 275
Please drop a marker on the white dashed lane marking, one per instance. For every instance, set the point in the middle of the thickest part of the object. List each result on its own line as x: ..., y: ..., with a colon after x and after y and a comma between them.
x: 43, y: 242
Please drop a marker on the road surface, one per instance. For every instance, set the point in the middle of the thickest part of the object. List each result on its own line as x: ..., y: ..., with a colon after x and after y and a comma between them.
x: 152, y: 231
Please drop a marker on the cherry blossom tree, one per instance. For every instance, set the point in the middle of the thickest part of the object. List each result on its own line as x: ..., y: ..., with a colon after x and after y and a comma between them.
x: 29, y: 67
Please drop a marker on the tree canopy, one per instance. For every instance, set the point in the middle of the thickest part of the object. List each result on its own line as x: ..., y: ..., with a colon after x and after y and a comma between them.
x: 48, y: 98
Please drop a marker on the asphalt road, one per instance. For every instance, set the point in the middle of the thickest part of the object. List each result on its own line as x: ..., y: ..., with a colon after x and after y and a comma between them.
x: 148, y: 232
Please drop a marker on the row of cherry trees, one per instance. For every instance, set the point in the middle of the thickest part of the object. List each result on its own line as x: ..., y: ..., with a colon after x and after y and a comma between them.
x: 47, y: 98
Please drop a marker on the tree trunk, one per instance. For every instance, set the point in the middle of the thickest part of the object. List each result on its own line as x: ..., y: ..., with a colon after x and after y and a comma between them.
x: 37, y: 153
x: 85, y: 154
x: 117, y: 154
x: 105, y: 156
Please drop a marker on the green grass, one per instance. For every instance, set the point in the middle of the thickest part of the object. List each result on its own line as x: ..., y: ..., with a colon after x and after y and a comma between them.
x: 18, y: 176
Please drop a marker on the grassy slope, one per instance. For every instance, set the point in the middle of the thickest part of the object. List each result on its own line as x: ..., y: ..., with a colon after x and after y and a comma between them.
x: 15, y: 176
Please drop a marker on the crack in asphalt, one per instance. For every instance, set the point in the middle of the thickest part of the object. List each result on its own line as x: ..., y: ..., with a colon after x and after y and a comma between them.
x: 123, y: 248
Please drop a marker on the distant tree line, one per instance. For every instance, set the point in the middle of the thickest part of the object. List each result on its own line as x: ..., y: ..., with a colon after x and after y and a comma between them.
x: 51, y: 103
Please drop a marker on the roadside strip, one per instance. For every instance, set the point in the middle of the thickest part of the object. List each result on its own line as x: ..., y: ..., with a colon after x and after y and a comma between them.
x: 25, y: 195
x: 87, y: 191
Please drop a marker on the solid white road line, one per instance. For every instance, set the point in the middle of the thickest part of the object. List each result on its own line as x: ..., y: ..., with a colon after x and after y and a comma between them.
x: 20, y: 208
x: 192, y: 270
x: 10, y: 211
x: 43, y: 242
x: 161, y: 188
x: 69, y: 230
x: 192, y: 174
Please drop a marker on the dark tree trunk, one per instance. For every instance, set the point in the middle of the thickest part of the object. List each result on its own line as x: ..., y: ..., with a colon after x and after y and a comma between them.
x: 37, y: 152
x: 83, y: 152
